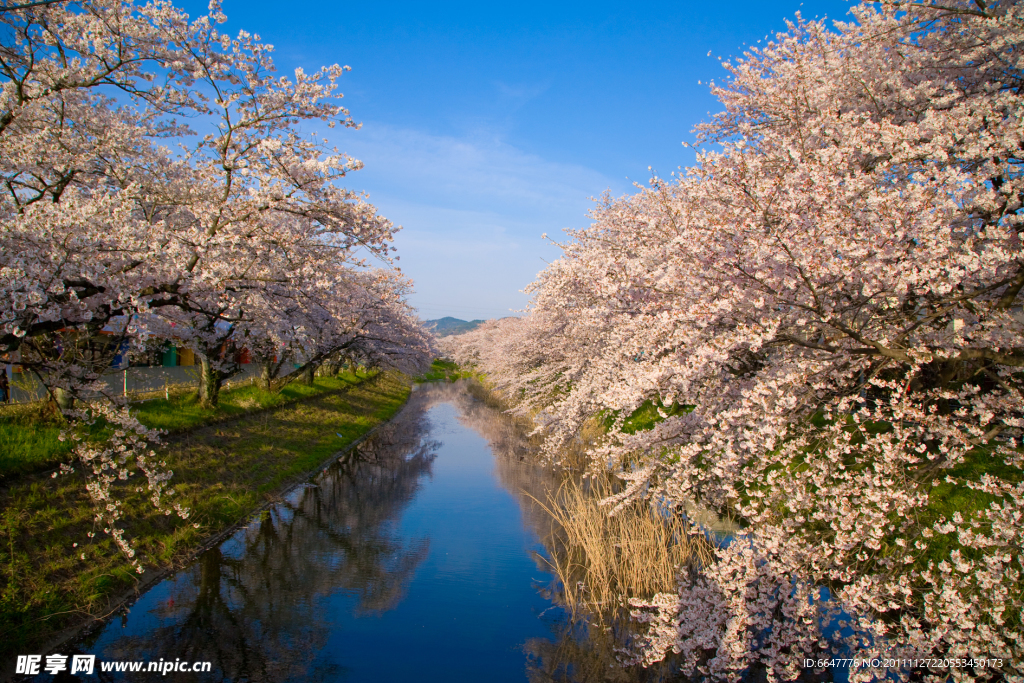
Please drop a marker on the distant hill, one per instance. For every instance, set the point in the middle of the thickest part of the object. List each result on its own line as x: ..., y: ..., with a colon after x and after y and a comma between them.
x: 447, y: 326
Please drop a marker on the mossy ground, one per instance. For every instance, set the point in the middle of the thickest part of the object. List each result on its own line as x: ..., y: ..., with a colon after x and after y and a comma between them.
x: 222, y: 472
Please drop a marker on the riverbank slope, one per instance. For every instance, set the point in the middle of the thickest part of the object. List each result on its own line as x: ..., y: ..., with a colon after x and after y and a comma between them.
x: 54, y: 576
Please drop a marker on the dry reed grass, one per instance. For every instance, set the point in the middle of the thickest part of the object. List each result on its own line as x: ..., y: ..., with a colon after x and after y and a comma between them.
x: 600, y: 560
x: 603, y: 560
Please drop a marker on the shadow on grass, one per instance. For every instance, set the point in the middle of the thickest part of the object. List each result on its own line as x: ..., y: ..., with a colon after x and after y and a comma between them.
x: 53, y: 574
x: 30, y: 433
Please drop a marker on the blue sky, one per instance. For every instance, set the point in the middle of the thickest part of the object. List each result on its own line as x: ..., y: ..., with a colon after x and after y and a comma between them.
x: 485, y: 126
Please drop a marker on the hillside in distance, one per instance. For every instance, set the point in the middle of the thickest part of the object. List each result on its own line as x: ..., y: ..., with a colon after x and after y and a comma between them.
x: 444, y: 327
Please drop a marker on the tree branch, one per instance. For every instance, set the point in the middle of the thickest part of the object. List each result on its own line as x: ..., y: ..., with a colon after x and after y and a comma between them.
x: 28, y: 5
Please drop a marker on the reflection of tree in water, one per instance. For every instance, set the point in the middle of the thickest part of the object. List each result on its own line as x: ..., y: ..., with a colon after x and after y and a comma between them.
x: 256, y: 612
x: 583, y: 650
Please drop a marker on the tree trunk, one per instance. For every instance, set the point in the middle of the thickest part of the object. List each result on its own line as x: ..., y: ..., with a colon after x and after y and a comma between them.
x: 209, y: 383
x: 307, y: 375
x: 63, y: 399
x: 266, y: 374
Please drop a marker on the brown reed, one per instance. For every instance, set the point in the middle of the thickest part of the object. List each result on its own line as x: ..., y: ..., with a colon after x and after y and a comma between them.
x: 602, y: 560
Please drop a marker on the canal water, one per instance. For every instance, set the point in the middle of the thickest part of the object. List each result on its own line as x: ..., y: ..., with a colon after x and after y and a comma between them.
x: 414, y: 558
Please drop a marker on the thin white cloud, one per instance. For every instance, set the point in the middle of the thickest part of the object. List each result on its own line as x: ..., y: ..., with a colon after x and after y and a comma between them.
x: 477, y: 172
x: 473, y: 211
x: 521, y: 93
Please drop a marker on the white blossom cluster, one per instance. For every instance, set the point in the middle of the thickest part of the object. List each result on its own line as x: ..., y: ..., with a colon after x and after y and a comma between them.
x: 826, y: 313
x: 156, y: 184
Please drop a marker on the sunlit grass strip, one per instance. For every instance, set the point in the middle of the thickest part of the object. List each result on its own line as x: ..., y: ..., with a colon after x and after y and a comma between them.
x: 444, y: 370
x: 222, y: 472
x: 183, y: 411
x: 29, y: 433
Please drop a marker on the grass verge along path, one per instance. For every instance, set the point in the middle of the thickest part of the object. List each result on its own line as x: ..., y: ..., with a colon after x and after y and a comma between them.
x: 29, y: 433
x: 54, y: 575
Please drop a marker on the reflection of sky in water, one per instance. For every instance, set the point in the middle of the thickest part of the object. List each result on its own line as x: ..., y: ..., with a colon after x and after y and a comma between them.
x: 412, y: 564
x: 472, y: 603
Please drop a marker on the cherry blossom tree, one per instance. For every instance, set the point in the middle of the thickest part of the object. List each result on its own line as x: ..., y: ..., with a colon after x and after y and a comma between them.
x: 81, y: 111
x: 361, y: 317
x: 108, y: 237
x: 75, y: 244
x: 825, y: 311
x: 262, y: 203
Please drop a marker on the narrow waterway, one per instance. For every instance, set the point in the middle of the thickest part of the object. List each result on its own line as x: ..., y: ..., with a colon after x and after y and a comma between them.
x: 409, y: 560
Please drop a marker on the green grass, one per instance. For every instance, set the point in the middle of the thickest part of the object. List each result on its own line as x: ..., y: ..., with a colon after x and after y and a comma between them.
x: 29, y: 440
x: 29, y: 434
x: 947, y: 498
x: 443, y: 371
x: 183, y: 411
x: 645, y: 417
x: 222, y: 472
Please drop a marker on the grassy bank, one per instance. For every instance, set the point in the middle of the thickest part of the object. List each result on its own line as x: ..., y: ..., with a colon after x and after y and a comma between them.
x: 222, y: 472
x: 443, y: 371
x: 29, y: 432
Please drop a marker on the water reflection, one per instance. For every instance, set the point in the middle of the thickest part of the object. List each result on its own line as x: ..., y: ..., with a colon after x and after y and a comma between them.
x: 584, y: 649
x: 422, y: 555
x: 252, y: 606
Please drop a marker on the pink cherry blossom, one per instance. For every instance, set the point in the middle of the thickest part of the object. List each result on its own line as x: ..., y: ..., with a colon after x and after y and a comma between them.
x: 826, y: 308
